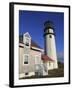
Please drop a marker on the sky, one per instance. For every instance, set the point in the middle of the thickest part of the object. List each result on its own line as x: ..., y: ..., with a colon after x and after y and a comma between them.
x: 33, y: 22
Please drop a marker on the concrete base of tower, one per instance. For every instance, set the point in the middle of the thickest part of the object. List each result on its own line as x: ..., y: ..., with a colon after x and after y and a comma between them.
x: 55, y: 65
x: 52, y: 65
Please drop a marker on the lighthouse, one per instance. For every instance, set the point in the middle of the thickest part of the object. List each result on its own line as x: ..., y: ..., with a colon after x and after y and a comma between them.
x: 50, y: 44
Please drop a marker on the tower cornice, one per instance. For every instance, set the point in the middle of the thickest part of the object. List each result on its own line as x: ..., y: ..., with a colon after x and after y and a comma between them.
x: 46, y: 28
x: 48, y: 34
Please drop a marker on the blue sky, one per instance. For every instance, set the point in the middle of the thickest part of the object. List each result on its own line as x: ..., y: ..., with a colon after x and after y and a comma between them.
x: 33, y: 22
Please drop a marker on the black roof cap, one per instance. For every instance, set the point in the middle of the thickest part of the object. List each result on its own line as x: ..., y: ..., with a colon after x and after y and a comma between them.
x: 49, y: 24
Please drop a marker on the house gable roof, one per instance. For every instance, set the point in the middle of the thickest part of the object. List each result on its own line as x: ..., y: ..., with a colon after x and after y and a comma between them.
x: 27, y: 35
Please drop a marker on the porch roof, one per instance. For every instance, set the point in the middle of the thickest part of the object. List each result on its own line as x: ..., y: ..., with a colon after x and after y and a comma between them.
x: 46, y: 58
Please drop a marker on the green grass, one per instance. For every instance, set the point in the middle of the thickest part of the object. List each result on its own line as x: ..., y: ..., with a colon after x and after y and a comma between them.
x: 57, y: 72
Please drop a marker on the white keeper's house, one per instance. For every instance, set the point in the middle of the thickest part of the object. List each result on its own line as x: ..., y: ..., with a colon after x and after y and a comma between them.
x: 33, y: 60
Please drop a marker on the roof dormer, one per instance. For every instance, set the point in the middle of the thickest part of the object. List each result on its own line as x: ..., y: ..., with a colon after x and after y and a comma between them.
x: 27, y: 39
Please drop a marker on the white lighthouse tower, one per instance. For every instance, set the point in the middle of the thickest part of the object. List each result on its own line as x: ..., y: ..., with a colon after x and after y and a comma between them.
x: 50, y: 45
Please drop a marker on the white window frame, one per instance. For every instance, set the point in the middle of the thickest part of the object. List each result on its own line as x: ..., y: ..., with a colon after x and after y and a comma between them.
x: 49, y: 63
x: 24, y: 59
x: 36, y: 62
x: 26, y: 38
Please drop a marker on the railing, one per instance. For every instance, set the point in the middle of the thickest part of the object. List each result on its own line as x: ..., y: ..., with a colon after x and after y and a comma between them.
x: 40, y: 70
x: 40, y: 67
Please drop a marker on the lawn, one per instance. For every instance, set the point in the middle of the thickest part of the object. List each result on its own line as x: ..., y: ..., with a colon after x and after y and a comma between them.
x: 57, y: 72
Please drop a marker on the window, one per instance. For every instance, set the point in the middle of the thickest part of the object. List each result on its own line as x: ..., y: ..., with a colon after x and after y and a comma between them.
x: 26, y: 73
x: 50, y: 36
x: 27, y: 41
x: 36, y: 59
x: 49, y: 63
x: 25, y: 59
